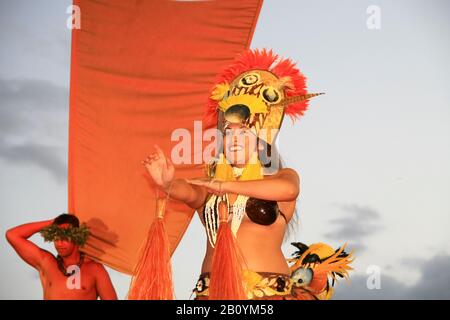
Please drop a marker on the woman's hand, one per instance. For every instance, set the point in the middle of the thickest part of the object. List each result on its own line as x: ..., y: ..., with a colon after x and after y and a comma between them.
x: 160, y: 168
x: 211, y: 186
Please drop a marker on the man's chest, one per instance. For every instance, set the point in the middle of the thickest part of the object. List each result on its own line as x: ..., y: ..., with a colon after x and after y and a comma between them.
x: 78, y: 281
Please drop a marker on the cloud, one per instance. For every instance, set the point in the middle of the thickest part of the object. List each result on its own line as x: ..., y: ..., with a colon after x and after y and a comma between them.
x: 359, y: 223
x: 33, y: 113
x: 356, y: 289
x: 44, y: 157
x: 433, y: 283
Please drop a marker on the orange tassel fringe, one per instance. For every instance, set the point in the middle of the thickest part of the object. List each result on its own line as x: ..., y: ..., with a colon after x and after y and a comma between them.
x: 226, y: 274
x: 152, y: 278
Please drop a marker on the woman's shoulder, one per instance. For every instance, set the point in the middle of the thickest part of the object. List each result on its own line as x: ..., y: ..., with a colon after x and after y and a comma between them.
x: 286, y: 171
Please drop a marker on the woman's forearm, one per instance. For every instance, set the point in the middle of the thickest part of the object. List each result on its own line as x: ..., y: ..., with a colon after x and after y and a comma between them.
x: 281, y: 188
x: 181, y: 190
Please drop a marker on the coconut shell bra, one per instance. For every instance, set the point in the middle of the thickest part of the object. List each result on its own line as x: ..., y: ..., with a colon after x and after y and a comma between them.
x: 263, y: 212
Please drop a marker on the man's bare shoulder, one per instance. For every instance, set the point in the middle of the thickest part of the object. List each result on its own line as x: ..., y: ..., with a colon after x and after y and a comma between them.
x: 91, y: 262
x: 46, y: 257
x: 94, y: 265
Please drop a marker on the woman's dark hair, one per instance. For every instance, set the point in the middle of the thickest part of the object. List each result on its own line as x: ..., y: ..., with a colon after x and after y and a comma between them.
x: 67, y: 218
x: 267, y: 155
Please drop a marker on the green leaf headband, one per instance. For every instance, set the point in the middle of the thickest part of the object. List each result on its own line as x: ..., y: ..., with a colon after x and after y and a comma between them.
x: 76, y: 235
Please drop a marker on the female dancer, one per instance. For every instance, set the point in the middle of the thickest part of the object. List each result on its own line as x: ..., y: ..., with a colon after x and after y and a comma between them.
x: 248, y: 103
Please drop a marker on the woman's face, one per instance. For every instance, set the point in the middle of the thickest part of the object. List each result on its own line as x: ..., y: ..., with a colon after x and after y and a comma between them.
x: 239, y: 144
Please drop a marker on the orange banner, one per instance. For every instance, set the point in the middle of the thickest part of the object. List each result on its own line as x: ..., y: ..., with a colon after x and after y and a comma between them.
x: 140, y: 70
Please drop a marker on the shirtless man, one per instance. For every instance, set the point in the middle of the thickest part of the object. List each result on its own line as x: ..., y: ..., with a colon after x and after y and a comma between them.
x: 71, y: 275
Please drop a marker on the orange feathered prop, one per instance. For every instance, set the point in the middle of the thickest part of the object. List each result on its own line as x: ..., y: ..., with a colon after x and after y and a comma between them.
x: 226, y: 274
x: 152, y: 278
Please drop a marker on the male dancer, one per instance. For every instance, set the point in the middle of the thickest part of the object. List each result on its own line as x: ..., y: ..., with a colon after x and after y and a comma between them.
x: 70, y: 275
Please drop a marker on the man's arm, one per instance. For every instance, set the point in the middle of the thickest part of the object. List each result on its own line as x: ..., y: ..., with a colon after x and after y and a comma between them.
x: 27, y: 250
x: 104, y: 286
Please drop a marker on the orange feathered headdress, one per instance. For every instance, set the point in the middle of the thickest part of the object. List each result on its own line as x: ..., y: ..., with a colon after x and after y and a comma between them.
x: 257, y: 89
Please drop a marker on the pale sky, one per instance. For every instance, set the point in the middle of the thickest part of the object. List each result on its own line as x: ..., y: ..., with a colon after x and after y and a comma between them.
x: 373, y: 154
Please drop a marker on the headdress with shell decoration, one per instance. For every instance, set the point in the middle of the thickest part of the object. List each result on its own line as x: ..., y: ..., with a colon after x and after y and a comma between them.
x: 257, y: 90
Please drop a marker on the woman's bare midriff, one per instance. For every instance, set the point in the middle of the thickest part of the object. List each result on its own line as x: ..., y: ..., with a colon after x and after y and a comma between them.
x: 260, y: 246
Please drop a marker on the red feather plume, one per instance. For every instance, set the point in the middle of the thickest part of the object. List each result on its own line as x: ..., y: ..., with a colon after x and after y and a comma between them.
x: 266, y: 60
